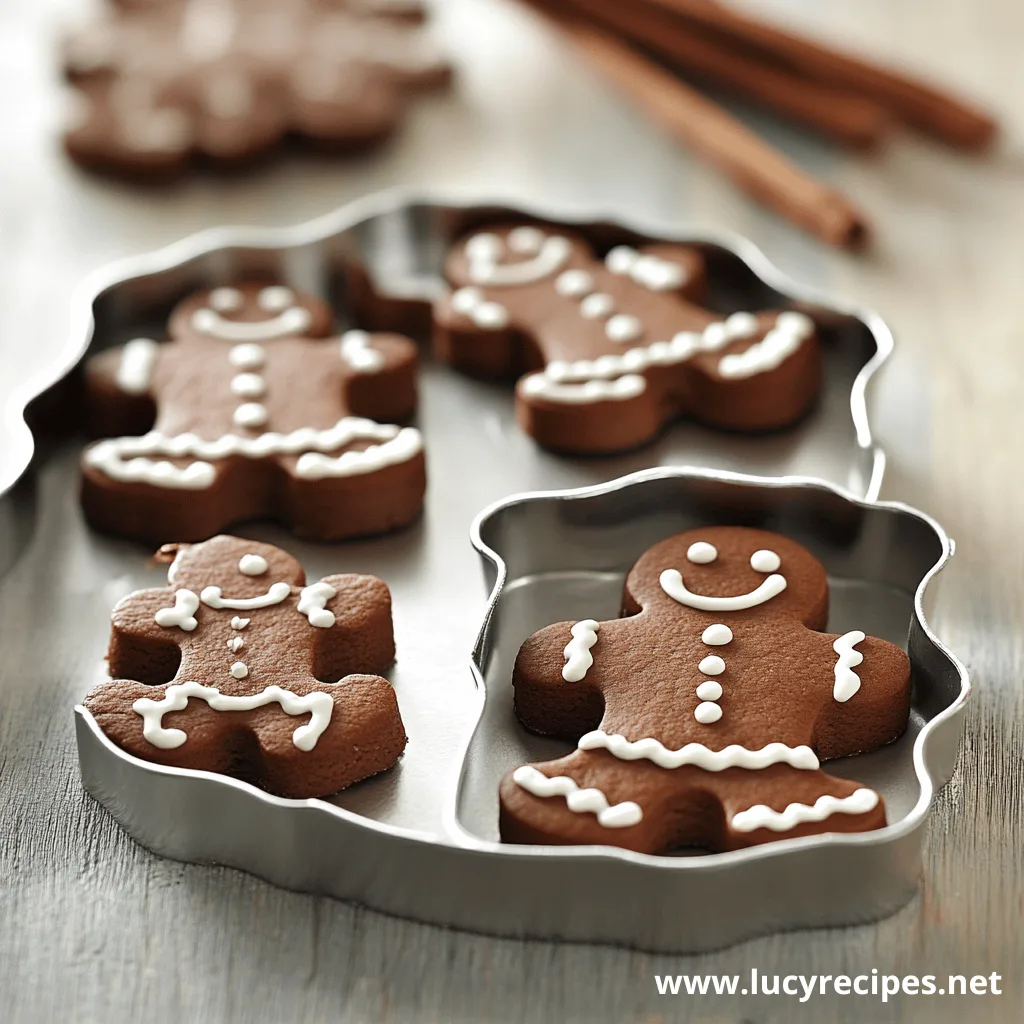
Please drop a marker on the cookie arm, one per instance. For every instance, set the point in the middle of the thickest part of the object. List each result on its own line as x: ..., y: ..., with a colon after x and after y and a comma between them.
x: 361, y: 638
x: 865, y: 700
x: 118, y: 396
x: 547, y: 702
x: 140, y: 648
x: 379, y: 375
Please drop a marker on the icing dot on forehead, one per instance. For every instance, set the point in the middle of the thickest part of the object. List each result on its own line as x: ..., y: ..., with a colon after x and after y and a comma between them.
x: 712, y: 665
x: 702, y: 552
x: 765, y: 561
x: 526, y: 240
x: 275, y: 298
x: 225, y: 300
x: 252, y: 565
x: 717, y: 635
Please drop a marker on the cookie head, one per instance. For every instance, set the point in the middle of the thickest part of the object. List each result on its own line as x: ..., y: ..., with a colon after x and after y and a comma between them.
x: 514, y: 255
x: 729, y: 570
x: 235, y: 568
x: 254, y: 312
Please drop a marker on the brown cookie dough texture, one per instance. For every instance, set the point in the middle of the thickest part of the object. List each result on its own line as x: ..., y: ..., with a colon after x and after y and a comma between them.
x: 251, y: 410
x: 226, y: 80
x: 701, y: 717
x: 237, y: 667
x: 609, y: 349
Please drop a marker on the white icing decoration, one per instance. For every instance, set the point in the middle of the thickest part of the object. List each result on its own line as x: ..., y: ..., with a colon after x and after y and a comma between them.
x: 788, y: 334
x: 712, y: 665
x: 318, y: 705
x: 275, y: 298
x: 673, y: 585
x: 623, y: 327
x: 239, y: 670
x: 717, y: 635
x: 470, y: 302
x: 526, y: 240
x: 182, y: 614
x: 658, y: 353
x: 709, y: 690
x: 239, y: 623
x: 357, y: 351
x: 597, y: 306
x: 135, y: 369
x: 847, y: 681
x: 574, y: 283
x: 578, y: 658
x: 765, y: 561
x: 483, y: 252
x: 762, y: 816
x: 235, y: 644
x: 707, y: 712
x: 211, y: 596
x: 225, y: 300
x: 110, y: 456
x: 292, y: 321
x: 650, y: 271
x: 252, y: 565
x: 732, y: 756
x: 402, y: 447
x: 537, y: 385
x: 248, y: 385
x: 251, y: 415
x: 247, y: 356
x: 579, y: 801
x: 311, y: 604
x: 701, y: 553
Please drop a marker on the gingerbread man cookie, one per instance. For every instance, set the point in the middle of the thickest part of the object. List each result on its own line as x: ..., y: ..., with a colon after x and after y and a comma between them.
x: 240, y: 668
x: 251, y: 411
x: 614, y: 348
x: 226, y: 80
x: 701, y: 717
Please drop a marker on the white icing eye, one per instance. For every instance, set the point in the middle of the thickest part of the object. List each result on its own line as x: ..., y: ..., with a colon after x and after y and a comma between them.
x: 701, y: 552
x: 275, y: 299
x: 765, y: 561
x: 252, y: 565
x: 484, y: 248
x: 621, y: 259
x: 225, y: 300
x: 526, y: 241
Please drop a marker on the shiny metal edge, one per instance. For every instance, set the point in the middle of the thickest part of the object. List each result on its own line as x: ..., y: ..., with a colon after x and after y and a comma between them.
x: 544, y: 892
x: 17, y: 437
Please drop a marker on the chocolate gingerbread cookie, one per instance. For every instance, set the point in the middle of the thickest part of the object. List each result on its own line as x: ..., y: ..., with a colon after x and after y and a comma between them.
x: 613, y: 348
x: 702, y: 716
x: 226, y: 80
x: 250, y: 410
x: 238, y: 667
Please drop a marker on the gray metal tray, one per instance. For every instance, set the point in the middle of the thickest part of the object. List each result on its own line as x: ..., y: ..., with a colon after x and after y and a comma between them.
x: 420, y: 840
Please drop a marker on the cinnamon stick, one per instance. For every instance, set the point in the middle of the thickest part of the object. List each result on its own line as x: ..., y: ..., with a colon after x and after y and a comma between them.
x: 756, y: 167
x: 931, y: 110
x: 848, y: 119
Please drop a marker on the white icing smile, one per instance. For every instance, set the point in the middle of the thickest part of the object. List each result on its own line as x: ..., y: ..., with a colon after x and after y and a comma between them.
x: 211, y: 596
x: 673, y: 585
x: 293, y: 320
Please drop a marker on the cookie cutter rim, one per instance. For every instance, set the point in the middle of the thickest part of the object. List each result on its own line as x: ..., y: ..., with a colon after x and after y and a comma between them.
x: 19, y: 438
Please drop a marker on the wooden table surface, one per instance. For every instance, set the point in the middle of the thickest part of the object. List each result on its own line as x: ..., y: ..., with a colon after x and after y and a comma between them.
x: 94, y: 928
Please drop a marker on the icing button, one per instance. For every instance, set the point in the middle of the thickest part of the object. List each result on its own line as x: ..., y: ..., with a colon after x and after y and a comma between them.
x: 707, y: 713
x: 717, y: 635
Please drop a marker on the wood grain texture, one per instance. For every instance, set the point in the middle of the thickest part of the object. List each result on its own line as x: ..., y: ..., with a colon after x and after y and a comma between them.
x: 93, y: 928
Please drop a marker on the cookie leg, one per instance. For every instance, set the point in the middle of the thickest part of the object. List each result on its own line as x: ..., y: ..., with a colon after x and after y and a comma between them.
x: 593, y: 417
x: 783, y: 803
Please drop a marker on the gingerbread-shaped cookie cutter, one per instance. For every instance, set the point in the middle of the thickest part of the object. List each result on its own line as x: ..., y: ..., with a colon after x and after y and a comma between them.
x: 436, y: 862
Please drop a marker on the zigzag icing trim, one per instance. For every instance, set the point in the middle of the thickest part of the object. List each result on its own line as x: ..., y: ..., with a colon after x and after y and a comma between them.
x: 579, y: 801
x: 129, y: 458
x: 762, y: 816
x: 698, y: 755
